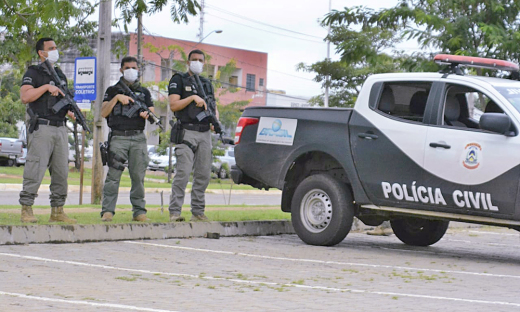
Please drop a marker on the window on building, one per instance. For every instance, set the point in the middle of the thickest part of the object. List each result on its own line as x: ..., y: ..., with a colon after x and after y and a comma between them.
x: 233, y: 81
x: 250, y: 82
x: 261, y: 82
x: 166, y: 72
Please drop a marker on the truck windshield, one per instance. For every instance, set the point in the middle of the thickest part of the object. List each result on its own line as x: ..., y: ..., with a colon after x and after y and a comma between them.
x: 512, y: 94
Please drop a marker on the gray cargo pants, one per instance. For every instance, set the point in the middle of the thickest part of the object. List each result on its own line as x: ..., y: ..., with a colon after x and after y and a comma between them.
x: 47, y: 148
x: 134, y: 149
x: 200, y: 163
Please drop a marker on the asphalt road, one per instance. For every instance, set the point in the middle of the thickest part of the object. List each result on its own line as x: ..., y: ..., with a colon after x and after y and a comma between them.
x: 154, y: 198
x: 468, y: 270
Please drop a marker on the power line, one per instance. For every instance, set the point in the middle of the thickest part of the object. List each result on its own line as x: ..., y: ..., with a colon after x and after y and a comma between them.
x: 271, y: 32
x: 259, y: 22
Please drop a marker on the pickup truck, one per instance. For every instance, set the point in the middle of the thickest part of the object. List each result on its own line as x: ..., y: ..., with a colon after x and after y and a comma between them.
x: 417, y: 149
x: 10, y: 149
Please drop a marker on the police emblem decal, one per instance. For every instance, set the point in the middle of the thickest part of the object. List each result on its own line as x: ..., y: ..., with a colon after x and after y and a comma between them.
x: 188, y: 88
x: 472, y: 156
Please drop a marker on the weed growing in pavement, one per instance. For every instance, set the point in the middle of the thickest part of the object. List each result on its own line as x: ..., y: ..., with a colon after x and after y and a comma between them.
x: 298, y: 282
x: 126, y: 278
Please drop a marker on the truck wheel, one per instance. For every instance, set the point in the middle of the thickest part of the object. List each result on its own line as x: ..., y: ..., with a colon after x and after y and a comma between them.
x: 322, y: 210
x: 418, y: 231
x: 10, y: 162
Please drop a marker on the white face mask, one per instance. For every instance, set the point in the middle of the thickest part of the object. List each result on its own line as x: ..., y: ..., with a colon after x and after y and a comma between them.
x: 196, y: 67
x: 131, y: 75
x: 53, y: 56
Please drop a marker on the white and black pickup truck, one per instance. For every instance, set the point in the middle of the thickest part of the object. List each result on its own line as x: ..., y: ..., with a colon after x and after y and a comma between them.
x: 10, y: 149
x: 418, y: 149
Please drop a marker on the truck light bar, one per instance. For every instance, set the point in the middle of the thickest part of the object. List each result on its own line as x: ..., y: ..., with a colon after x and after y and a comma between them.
x: 471, y: 61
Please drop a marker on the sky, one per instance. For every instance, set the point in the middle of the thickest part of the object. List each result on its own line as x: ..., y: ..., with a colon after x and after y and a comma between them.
x: 288, y: 30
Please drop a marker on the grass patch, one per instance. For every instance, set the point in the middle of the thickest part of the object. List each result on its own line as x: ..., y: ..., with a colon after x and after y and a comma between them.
x: 124, y: 216
x: 128, y: 279
x: 15, y: 176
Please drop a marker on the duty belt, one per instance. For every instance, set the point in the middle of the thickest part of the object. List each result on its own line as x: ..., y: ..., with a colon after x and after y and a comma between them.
x: 196, y: 127
x: 55, y: 123
x: 126, y: 132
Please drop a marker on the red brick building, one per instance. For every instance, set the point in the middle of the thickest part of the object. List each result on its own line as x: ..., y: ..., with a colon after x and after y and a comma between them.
x: 250, y: 75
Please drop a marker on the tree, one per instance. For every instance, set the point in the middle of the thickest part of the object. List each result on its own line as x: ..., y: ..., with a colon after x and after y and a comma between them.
x: 179, y: 9
x: 11, y: 108
x: 24, y: 22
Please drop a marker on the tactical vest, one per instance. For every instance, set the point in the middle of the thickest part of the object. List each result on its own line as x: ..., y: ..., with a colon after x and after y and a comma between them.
x: 117, y: 119
x: 43, y: 105
x: 190, y: 112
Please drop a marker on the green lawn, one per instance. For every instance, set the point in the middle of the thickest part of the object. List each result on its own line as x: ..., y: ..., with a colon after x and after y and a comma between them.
x: 15, y: 175
x: 124, y: 214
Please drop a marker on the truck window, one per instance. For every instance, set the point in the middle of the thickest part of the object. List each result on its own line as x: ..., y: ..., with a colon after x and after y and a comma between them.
x: 404, y: 100
x: 463, y: 107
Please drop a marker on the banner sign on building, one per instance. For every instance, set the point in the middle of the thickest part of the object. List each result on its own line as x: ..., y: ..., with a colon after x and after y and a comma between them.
x: 85, y: 81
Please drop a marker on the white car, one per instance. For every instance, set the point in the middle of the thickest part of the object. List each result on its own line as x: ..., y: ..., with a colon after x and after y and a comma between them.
x: 160, y: 162
x: 20, y: 161
x: 228, y: 158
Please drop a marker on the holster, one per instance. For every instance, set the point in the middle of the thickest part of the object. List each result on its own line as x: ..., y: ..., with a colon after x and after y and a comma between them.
x: 177, y: 132
x: 109, y: 158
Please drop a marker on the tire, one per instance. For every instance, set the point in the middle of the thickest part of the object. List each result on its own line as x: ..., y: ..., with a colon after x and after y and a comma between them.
x: 418, y: 231
x: 10, y: 162
x: 322, y: 210
x: 222, y: 173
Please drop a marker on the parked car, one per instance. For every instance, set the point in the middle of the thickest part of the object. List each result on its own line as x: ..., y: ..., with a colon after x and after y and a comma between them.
x: 228, y: 158
x: 160, y: 162
x: 20, y: 161
x: 10, y: 149
x: 89, y: 152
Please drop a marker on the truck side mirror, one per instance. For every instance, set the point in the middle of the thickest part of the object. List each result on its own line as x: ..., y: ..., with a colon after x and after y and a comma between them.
x: 496, y: 122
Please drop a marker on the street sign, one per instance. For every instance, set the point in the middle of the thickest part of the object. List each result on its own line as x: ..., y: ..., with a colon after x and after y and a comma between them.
x: 85, y: 81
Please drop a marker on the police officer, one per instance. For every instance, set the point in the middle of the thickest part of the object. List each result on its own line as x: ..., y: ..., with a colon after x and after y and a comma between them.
x: 127, y: 141
x: 47, y: 143
x: 194, y: 153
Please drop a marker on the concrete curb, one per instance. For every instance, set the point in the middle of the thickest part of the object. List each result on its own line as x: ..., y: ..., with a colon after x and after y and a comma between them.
x: 29, y: 234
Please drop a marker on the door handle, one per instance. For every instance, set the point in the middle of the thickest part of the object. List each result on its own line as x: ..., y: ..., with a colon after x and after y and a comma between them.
x: 368, y: 136
x: 435, y: 145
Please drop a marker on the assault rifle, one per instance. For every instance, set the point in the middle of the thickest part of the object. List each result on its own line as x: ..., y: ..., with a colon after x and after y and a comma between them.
x: 140, y: 106
x: 210, y: 113
x: 67, y: 101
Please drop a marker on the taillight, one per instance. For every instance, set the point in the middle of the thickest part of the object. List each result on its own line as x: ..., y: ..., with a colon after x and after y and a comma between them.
x: 242, y: 123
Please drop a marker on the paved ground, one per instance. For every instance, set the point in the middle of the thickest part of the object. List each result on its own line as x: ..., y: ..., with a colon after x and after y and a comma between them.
x: 468, y: 270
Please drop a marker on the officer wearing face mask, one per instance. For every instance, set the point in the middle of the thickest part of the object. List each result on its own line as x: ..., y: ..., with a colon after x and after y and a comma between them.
x: 194, y: 153
x: 47, y: 136
x: 127, y: 141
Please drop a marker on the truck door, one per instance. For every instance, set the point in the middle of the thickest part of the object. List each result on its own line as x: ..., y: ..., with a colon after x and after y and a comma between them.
x: 387, y: 140
x: 477, y: 171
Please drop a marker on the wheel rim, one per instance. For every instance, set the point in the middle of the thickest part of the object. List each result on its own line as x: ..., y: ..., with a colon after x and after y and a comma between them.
x: 316, y: 210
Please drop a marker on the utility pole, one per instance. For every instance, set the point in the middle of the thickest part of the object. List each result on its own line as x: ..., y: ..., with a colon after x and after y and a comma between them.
x: 326, y: 99
x: 104, y: 44
x: 201, y: 27
x: 140, y: 44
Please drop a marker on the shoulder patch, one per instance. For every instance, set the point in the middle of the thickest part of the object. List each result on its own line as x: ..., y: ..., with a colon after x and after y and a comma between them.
x: 27, y: 80
x: 173, y: 85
